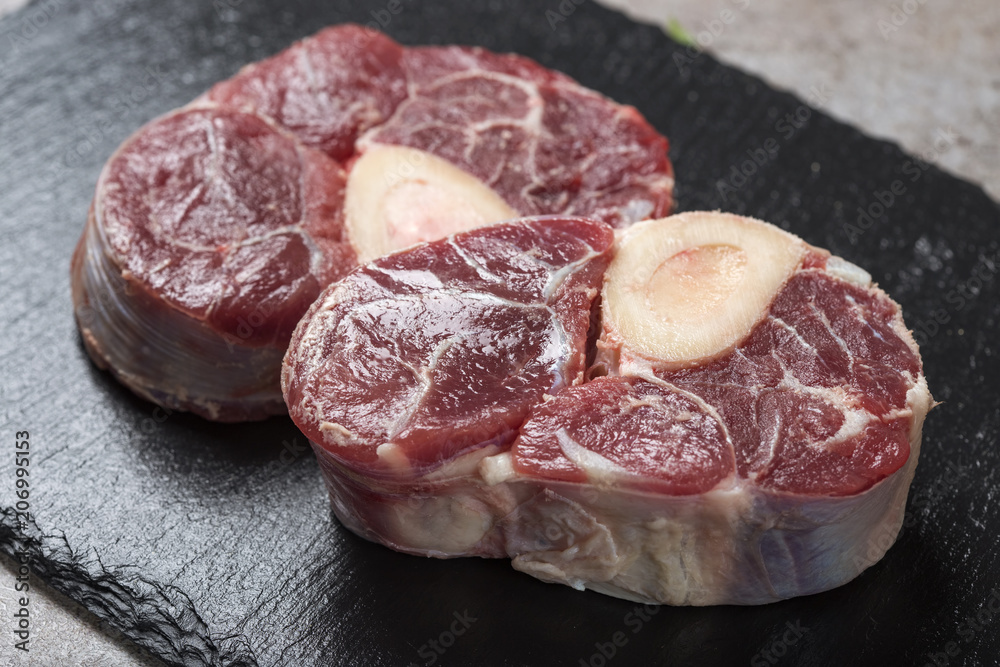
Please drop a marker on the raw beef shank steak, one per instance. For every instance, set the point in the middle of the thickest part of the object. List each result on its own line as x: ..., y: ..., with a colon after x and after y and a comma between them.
x: 413, y: 368
x: 214, y: 227
x: 211, y: 233
x: 736, y: 420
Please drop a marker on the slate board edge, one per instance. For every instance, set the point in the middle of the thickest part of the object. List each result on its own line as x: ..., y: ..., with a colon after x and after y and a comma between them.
x: 124, y: 602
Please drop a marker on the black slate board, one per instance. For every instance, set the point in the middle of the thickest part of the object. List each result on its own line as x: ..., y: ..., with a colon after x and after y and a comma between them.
x: 207, y: 546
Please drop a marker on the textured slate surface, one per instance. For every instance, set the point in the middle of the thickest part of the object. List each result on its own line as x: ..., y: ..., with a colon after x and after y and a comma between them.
x: 207, y: 545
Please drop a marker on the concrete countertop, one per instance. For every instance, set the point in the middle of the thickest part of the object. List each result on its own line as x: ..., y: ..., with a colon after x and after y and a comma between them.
x: 910, y: 71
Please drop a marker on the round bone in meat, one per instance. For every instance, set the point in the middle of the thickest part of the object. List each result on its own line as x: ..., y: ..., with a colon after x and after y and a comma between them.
x: 771, y: 462
x: 398, y: 196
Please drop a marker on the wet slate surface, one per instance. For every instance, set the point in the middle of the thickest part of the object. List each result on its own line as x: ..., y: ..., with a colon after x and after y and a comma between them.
x: 206, y: 545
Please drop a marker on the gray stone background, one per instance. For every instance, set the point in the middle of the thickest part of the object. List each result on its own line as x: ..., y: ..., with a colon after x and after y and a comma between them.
x: 933, y: 71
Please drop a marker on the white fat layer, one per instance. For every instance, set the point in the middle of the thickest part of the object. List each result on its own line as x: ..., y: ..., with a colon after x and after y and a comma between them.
x: 637, y: 209
x: 557, y: 277
x: 463, y: 465
x: 855, y: 422
x: 597, y: 467
x: 644, y: 371
x: 441, y: 525
x: 919, y: 399
x: 855, y: 418
x: 484, y: 273
x: 393, y: 456
x: 425, y: 279
x: 335, y: 434
x: 497, y: 469
x: 425, y: 378
x: 845, y: 270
